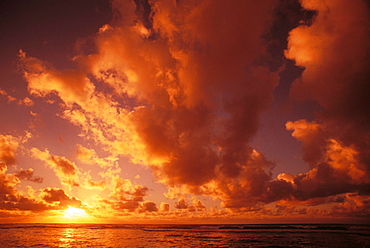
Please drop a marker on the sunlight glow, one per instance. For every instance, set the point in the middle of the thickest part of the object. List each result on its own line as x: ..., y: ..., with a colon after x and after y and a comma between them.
x: 74, y: 213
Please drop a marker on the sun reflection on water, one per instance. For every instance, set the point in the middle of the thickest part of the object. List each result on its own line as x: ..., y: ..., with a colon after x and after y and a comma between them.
x: 68, y: 237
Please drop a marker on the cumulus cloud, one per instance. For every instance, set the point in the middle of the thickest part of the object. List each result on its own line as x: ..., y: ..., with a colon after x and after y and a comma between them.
x: 312, y: 137
x: 195, y: 205
x: 337, y: 171
x: 149, y: 206
x: 59, y: 197
x: 168, y: 88
x: 182, y: 97
x: 342, y: 65
x: 164, y: 207
x: 334, y: 51
x: 181, y: 204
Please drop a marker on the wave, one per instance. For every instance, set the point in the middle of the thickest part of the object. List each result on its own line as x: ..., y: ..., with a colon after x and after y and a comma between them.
x: 203, y: 227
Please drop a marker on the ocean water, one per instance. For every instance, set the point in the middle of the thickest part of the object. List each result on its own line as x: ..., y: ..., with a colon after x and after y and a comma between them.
x: 113, y: 235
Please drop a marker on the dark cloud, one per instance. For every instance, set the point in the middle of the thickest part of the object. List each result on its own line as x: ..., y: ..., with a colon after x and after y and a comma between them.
x: 149, y: 206
x: 28, y: 175
x: 55, y: 195
x: 24, y: 204
x: 120, y: 206
x: 197, y: 99
x: 336, y: 76
x: 187, y: 88
x: 181, y: 204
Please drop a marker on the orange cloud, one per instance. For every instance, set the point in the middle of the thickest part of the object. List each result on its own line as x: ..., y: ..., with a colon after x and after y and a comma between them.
x: 149, y: 206
x: 12, y: 199
x: 8, y: 147
x: 338, y: 170
x: 124, y: 190
x: 127, y: 197
x: 334, y: 52
x: 8, y: 181
x: 169, y: 88
x: 337, y: 44
x: 164, y: 207
x: 183, y: 103
x: 26, y: 101
x: 181, y: 204
x: 89, y: 156
x: 312, y: 137
x: 54, y: 195
x: 66, y: 170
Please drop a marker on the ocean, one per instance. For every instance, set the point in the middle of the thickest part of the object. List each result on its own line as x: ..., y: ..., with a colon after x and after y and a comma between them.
x: 115, y: 235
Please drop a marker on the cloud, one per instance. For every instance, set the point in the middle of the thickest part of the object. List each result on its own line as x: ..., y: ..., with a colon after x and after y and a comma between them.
x: 194, y: 206
x: 164, y: 207
x: 93, y: 184
x: 70, y: 85
x: 192, y: 110
x: 131, y: 206
x: 8, y: 147
x: 168, y: 88
x: 149, y: 206
x: 312, y: 137
x: 55, y: 195
x: 89, y: 156
x: 28, y: 175
x: 88, y: 183
x: 334, y: 51
x: 66, y: 170
x: 337, y: 171
x: 200, y: 83
x: 25, y: 101
x: 197, y: 205
x: 7, y: 182
x: 12, y: 199
x: 22, y: 203
x: 124, y: 190
x: 181, y: 204
x: 127, y: 197
x: 247, y: 188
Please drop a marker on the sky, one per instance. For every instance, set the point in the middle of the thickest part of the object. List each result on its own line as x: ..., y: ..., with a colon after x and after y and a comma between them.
x: 164, y: 111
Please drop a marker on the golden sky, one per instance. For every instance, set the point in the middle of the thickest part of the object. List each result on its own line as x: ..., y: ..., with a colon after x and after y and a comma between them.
x: 162, y: 111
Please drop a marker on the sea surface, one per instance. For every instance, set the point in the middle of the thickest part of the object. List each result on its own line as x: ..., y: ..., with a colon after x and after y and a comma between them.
x: 114, y: 235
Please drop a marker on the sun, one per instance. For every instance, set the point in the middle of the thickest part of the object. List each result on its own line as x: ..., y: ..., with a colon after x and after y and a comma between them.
x: 74, y: 213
